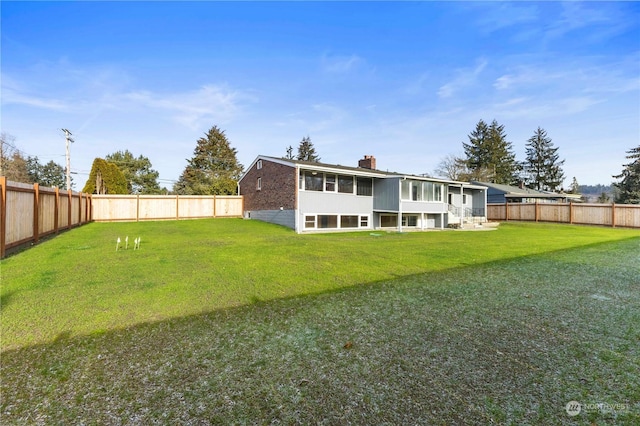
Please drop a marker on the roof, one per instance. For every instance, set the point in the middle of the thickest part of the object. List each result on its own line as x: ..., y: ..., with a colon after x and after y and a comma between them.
x: 517, y: 192
x: 337, y: 168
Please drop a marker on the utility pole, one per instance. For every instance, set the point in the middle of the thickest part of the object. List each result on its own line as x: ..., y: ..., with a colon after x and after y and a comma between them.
x: 68, y: 171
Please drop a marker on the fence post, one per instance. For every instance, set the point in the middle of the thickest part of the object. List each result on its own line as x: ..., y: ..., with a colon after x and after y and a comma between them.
x: 36, y: 213
x: 137, y: 207
x: 613, y: 215
x: 3, y: 215
x: 506, y: 211
x: 570, y: 212
x: 214, y: 205
x: 56, y: 211
x: 69, y: 204
x: 537, y: 210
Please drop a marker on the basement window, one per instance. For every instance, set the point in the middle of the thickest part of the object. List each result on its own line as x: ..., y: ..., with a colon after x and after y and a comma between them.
x: 348, y: 221
x: 327, y: 221
x: 309, y: 221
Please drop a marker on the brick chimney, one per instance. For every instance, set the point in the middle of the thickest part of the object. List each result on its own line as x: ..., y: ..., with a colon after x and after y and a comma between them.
x: 368, y: 162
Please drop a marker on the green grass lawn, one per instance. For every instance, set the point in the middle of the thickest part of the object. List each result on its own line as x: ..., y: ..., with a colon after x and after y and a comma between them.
x: 232, y: 321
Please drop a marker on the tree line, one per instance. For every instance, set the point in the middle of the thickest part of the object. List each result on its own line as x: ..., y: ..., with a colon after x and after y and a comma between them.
x: 489, y: 157
x: 214, y: 168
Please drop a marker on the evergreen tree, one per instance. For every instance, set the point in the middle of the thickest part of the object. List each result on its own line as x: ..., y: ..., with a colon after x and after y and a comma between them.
x: 542, y: 163
x: 105, y: 178
x: 575, y: 186
x: 628, y: 189
x: 489, y: 155
x: 289, y: 155
x: 53, y: 175
x: 214, y: 168
x: 141, y: 178
x: 604, y: 198
x: 306, y: 151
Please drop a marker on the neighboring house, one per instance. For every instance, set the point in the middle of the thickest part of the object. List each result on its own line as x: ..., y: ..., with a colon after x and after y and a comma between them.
x: 309, y: 196
x: 497, y: 193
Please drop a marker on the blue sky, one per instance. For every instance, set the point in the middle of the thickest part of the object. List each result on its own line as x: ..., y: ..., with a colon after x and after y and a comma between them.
x: 403, y: 81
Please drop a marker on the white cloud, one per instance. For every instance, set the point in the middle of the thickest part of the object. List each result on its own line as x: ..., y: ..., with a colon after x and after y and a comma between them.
x: 15, y: 93
x: 497, y: 16
x: 340, y: 64
x: 191, y: 109
x: 464, y: 78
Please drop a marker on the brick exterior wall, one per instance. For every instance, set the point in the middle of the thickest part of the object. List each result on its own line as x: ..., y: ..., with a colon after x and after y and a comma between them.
x: 278, y: 187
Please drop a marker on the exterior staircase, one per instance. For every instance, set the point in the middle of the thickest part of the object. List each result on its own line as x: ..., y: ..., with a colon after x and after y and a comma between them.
x: 470, y: 219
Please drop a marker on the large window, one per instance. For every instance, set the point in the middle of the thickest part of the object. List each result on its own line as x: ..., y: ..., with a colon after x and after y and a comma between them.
x: 416, y: 191
x: 345, y: 184
x: 327, y: 221
x: 409, y: 220
x: 412, y: 190
x: 348, y: 221
x: 312, y: 181
x: 389, y: 220
x: 405, y: 190
x: 364, y: 186
x: 330, y: 183
x: 335, y: 221
x: 433, y: 191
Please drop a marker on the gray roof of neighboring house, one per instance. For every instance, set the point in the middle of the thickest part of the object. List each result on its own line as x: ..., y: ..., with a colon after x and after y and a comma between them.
x: 514, y: 191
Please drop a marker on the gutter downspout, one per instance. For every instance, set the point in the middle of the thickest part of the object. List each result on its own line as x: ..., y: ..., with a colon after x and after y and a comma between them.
x: 400, y: 204
x: 461, y: 205
x: 296, y: 211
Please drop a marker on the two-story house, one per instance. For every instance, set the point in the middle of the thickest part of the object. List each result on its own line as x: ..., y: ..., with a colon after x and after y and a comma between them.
x: 311, y: 197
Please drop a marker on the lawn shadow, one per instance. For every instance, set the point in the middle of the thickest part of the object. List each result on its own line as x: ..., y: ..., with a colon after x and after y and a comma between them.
x: 5, y: 299
x: 425, y: 344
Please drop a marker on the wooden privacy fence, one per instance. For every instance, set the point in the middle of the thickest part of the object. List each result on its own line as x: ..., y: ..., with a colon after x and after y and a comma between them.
x: 622, y: 215
x: 29, y: 212
x: 108, y: 207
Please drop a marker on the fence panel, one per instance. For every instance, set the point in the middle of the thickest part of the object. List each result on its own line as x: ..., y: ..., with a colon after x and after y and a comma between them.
x: 19, y: 214
x: 160, y: 207
x: 28, y: 212
x: 554, y: 212
x: 47, y: 222
x: 627, y: 216
x: 521, y: 211
x: 622, y: 215
x: 196, y: 206
x: 496, y: 212
x: 157, y: 207
x: 114, y: 207
x: 593, y: 214
x: 228, y: 206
